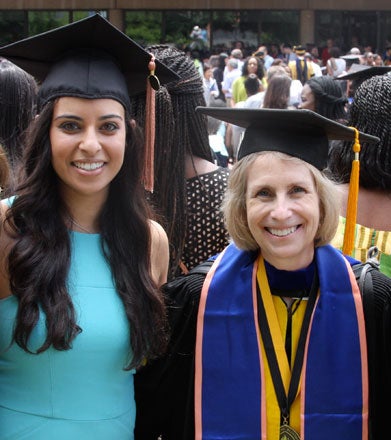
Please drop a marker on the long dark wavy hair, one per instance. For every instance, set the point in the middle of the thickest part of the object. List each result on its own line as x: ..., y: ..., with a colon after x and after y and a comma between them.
x: 369, y: 113
x: 277, y: 92
x: 18, y: 98
x: 180, y: 131
x: 39, y: 260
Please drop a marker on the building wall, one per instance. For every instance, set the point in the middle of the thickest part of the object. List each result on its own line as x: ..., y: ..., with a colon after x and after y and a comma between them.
x: 308, y: 9
x: 354, y: 5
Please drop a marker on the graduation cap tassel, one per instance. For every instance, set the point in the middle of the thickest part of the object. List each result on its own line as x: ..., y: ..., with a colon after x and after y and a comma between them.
x: 351, y: 212
x: 152, y: 85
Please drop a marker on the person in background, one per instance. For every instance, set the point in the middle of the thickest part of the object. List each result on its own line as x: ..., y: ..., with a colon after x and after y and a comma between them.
x: 368, y: 58
x: 336, y: 65
x: 196, y: 56
x: 217, y: 136
x: 213, y: 60
x: 314, y: 51
x: 370, y: 112
x: 324, y: 95
x: 255, y: 96
x: 18, y: 96
x: 209, y: 83
x: 357, y: 74
x: 296, y: 85
x: 187, y: 200
x: 251, y: 65
x: 288, y: 54
x: 262, y: 52
x: 325, y: 54
x: 218, y: 73
x: 275, y: 51
x: 81, y: 260
x: 315, y: 66
x: 230, y: 75
x: 237, y: 54
x: 301, y: 68
x: 271, y: 343
x: 277, y: 94
x: 377, y: 60
x: 387, y: 56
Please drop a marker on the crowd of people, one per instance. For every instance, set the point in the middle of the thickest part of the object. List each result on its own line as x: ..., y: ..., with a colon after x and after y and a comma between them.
x: 309, y: 70
x: 184, y: 242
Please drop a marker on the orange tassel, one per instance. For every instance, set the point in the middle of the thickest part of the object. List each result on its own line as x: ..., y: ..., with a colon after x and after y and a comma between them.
x: 149, y: 175
x: 351, y: 211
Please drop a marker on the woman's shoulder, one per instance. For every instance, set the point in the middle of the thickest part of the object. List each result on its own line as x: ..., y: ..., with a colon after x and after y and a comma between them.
x: 159, y: 253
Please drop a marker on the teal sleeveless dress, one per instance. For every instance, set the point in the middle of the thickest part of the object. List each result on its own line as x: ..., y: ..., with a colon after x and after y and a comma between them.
x: 82, y: 393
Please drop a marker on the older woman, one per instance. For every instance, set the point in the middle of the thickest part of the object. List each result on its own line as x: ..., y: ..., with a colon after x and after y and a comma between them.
x: 280, y: 346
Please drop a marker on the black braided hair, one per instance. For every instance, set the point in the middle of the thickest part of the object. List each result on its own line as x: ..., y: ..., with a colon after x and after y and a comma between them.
x: 329, y: 97
x: 370, y: 113
x: 180, y: 131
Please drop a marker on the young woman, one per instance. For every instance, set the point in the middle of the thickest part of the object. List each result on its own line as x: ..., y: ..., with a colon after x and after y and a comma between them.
x: 251, y: 65
x: 324, y: 95
x: 81, y: 260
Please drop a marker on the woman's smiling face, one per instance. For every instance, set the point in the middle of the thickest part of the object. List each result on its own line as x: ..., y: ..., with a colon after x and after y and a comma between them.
x: 88, y: 143
x: 283, y: 210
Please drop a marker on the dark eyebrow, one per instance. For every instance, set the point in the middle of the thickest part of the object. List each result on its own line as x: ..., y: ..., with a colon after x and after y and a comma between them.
x: 77, y: 118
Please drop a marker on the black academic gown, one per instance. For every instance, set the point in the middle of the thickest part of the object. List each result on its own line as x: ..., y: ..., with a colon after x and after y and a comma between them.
x: 165, y: 388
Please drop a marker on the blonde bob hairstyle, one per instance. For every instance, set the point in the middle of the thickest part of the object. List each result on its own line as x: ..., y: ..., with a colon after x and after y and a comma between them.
x: 234, y: 203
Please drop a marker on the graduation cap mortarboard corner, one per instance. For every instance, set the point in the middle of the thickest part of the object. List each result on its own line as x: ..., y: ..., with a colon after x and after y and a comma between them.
x: 67, y: 49
x: 91, y: 59
x: 362, y: 72
x: 299, y: 133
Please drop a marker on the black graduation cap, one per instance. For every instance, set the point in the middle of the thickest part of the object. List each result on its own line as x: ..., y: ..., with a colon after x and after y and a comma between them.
x: 89, y: 58
x: 362, y: 72
x: 300, y: 49
x: 300, y: 133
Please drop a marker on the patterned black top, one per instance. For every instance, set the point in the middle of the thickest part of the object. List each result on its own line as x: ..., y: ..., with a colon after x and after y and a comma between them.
x: 206, y: 233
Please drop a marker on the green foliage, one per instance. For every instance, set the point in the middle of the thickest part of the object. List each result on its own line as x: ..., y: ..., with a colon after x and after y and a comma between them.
x: 41, y: 21
x: 11, y: 26
x: 144, y: 27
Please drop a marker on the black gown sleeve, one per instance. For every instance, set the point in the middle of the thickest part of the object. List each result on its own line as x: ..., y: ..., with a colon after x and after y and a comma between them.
x: 164, y: 388
x: 377, y: 312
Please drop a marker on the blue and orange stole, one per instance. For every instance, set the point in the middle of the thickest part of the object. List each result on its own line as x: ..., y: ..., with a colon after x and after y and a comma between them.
x: 230, y: 399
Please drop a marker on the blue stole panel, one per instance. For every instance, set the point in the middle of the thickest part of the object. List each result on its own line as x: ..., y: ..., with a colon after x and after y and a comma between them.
x: 229, y: 369
x: 335, y: 383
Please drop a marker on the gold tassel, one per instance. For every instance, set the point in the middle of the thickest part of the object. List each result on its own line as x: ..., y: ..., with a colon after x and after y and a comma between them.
x: 149, y: 175
x: 351, y: 211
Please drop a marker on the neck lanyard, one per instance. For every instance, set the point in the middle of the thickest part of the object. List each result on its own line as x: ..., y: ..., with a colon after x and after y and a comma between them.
x: 285, y: 401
